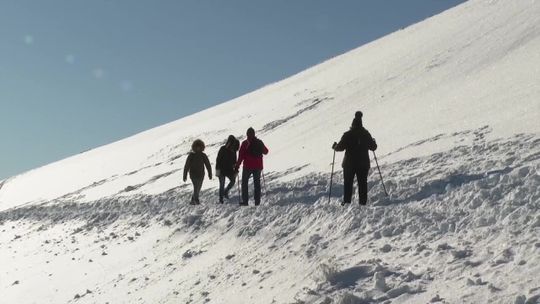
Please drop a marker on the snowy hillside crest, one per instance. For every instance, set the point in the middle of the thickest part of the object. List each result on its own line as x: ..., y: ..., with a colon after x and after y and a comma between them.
x: 454, y: 105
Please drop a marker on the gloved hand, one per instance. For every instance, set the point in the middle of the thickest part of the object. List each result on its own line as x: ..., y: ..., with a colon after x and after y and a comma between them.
x: 334, y: 145
x: 185, y: 179
x: 236, y: 169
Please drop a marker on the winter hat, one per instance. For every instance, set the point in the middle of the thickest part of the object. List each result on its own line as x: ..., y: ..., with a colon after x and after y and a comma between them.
x: 250, y: 132
x: 357, y: 121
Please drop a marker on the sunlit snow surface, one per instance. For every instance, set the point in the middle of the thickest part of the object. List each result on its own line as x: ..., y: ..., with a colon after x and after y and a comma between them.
x: 454, y: 103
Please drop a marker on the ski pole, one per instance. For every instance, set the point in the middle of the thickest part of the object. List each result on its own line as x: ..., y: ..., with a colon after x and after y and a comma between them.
x: 380, y: 174
x: 332, y: 176
x: 238, y: 187
x: 264, y: 182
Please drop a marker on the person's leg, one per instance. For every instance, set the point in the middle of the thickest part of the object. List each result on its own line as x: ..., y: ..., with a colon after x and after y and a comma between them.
x: 348, y: 179
x: 193, y: 195
x: 257, y: 185
x: 232, y: 181
x: 246, y: 173
x: 197, y: 185
x: 361, y: 176
x: 221, y: 188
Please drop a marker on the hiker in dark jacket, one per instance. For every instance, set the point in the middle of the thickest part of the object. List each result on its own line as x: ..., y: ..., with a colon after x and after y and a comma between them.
x: 195, y: 163
x: 251, y: 154
x: 356, y: 142
x: 225, y: 164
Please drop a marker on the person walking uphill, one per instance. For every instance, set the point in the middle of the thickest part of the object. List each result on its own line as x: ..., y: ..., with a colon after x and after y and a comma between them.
x: 195, y: 163
x: 225, y: 164
x: 251, y: 154
x: 356, y: 143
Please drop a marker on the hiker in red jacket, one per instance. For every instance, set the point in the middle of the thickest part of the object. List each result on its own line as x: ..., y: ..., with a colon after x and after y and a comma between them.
x: 251, y: 153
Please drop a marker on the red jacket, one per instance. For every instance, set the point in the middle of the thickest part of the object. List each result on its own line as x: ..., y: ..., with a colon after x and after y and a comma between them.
x: 250, y: 161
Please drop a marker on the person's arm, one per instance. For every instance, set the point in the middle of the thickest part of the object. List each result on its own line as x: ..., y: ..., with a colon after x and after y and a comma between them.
x: 208, y: 166
x: 219, y: 160
x: 187, y: 166
x: 234, y: 158
x: 342, y: 145
x: 265, y: 149
x: 232, y: 161
x: 372, y: 144
x: 241, y: 156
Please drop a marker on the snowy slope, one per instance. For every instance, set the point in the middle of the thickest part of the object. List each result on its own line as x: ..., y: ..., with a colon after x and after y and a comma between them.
x: 472, y: 66
x: 454, y: 103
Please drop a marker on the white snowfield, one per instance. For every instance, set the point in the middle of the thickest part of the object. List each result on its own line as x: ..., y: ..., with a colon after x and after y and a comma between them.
x: 454, y: 104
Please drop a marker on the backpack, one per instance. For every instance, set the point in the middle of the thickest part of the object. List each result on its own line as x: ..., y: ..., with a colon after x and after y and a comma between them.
x: 363, y: 141
x: 256, y: 147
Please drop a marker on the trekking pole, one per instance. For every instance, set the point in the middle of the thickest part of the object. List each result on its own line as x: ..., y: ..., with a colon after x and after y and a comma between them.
x: 332, y: 176
x: 380, y: 174
x: 238, y: 187
x: 264, y: 183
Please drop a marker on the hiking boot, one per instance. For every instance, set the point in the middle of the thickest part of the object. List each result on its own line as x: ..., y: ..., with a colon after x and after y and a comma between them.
x: 345, y: 203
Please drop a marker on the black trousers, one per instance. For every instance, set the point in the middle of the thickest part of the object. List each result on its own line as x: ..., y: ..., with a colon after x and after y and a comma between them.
x: 246, y: 174
x: 361, y: 174
x: 225, y: 190
x: 197, y: 185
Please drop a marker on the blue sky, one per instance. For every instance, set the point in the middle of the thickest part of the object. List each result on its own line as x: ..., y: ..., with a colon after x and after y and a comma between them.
x: 78, y: 74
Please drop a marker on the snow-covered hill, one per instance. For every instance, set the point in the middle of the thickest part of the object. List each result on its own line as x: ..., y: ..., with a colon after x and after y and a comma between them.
x: 454, y: 103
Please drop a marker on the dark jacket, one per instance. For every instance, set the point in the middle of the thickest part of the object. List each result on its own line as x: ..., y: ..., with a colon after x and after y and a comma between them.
x: 225, y: 161
x: 195, y: 163
x: 356, y: 142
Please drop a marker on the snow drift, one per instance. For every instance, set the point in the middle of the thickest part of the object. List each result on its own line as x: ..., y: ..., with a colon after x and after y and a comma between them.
x: 454, y: 103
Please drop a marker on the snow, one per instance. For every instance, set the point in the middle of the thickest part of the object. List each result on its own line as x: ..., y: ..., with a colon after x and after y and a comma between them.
x: 454, y: 104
